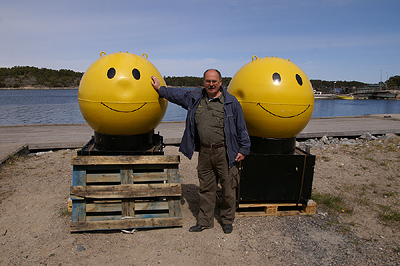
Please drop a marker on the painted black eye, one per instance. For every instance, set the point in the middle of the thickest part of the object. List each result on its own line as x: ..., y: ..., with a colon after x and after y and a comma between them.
x: 111, y: 73
x: 136, y: 74
x: 276, y: 78
x: 299, y: 80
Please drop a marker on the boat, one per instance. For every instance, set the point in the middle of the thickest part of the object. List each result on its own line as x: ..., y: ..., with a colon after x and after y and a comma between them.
x: 318, y: 95
x: 345, y: 97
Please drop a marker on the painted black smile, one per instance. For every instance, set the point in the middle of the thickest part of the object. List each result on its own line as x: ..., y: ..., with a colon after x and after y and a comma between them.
x: 283, y: 116
x: 123, y: 111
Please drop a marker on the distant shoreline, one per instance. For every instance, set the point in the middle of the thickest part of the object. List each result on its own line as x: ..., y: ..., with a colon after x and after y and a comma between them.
x: 40, y: 88
x: 64, y: 88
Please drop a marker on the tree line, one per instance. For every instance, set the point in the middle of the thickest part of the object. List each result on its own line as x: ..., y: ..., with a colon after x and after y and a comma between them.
x: 22, y: 76
x: 393, y: 82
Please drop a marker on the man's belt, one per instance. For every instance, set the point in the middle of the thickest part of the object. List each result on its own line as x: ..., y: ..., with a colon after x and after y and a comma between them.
x: 213, y: 146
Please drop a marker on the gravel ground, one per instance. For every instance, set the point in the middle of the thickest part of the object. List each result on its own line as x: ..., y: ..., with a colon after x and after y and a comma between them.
x: 356, y: 187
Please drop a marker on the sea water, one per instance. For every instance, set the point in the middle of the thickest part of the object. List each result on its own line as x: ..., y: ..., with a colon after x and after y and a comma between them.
x: 22, y: 107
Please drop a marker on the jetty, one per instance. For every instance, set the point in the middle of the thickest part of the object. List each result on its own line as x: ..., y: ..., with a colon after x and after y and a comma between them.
x: 384, y: 94
x: 44, y: 137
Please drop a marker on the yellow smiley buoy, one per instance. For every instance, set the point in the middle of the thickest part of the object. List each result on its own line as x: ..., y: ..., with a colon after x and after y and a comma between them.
x: 116, y: 96
x: 276, y: 97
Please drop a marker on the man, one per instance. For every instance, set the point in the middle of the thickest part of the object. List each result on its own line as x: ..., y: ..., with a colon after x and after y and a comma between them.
x: 216, y: 125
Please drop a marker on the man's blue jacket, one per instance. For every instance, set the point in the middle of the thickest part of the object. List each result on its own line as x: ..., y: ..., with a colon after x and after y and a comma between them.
x: 236, y: 136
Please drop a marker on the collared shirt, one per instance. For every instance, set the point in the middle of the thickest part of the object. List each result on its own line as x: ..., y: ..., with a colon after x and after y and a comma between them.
x: 236, y: 136
x: 209, y: 120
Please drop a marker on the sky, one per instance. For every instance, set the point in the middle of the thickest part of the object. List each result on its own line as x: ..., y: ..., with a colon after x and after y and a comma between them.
x: 352, y: 40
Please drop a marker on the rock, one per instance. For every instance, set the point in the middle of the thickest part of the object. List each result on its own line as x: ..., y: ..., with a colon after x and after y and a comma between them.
x: 80, y: 248
x: 325, y: 139
x: 367, y: 136
x: 390, y: 135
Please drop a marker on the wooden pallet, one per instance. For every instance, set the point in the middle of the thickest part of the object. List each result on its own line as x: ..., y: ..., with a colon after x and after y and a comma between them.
x: 276, y: 209
x: 123, y: 192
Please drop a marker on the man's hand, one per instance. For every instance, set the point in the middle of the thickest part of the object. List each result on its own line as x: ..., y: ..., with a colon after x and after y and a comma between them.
x: 240, y: 157
x: 156, y: 83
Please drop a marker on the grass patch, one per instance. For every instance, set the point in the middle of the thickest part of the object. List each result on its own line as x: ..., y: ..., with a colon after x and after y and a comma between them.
x: 364, y: 201
x: 388, y: 214
x: 325, y: 159
x: 370, y: 159
x: 389, y: 194
x: 12, y: 159
x: 391, y: 178
x: 332, y: 202
x: 391, y: 147
x: 65, y: 212
x: 385, y: 163
x: 344, y: 229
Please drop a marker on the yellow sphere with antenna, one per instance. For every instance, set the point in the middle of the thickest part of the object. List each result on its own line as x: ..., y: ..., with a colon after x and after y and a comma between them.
x: 116, y: 96
x: 276, y: 97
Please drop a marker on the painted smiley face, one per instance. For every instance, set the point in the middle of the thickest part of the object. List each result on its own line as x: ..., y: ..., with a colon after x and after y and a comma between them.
x: 282, y: 116
x: 121, y: 111
x: 276, y: 97
x: 116, y: 97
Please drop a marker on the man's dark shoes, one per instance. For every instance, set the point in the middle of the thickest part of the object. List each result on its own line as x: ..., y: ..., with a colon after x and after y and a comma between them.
x: 228, y: 228
x: 199, y: 228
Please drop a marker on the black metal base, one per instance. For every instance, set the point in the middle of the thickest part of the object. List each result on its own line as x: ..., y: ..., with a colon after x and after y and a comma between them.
x: 145, y: 144
x: 123, y: 142
x: 272, y: 145
x: 277, y: 178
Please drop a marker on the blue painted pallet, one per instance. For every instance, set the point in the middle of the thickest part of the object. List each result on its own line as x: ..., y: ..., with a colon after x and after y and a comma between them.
x: 124, y: 192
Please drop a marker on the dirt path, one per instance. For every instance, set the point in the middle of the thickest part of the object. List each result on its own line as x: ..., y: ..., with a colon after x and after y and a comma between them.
x: 359, y: 225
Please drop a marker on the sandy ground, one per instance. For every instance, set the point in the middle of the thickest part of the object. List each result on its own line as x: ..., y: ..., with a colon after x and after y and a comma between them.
x: 358, y: 224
